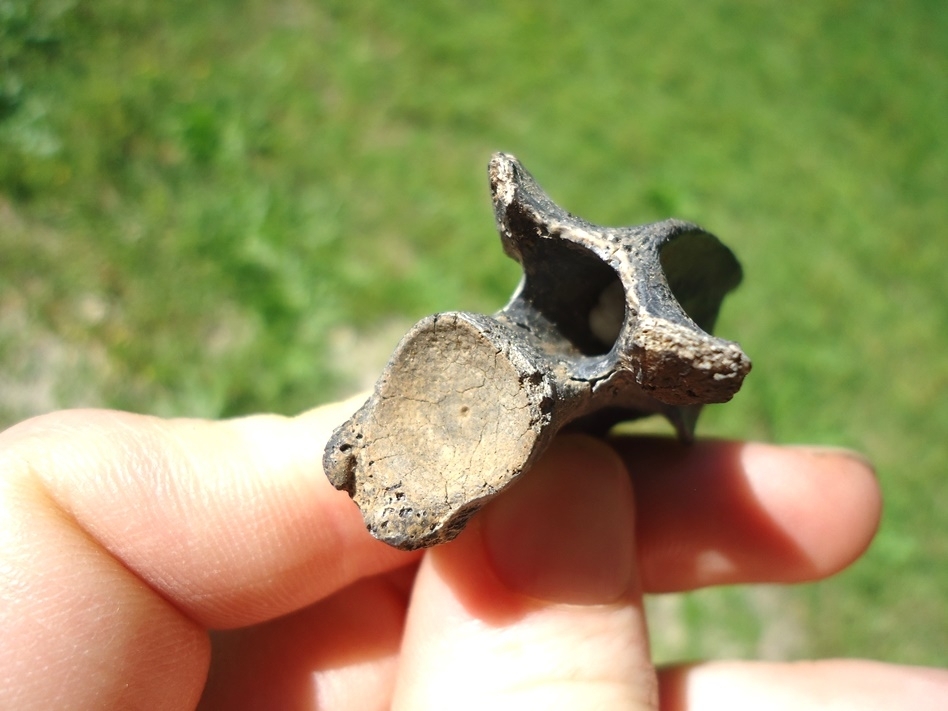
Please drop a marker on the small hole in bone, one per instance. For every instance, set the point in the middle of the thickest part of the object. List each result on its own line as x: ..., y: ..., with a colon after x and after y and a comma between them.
x: 699, y: 271
x: 572, y: 299
x: 606, y: 317
x: 465, y: 409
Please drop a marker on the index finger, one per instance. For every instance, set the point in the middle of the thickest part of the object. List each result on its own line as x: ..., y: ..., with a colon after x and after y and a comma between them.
x: 233, y: 521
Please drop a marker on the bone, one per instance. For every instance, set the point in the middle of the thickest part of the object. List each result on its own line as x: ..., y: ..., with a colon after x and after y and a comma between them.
x: 608, y: 324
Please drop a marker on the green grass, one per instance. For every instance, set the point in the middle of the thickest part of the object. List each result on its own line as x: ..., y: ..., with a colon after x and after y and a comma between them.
x: 202, y: 203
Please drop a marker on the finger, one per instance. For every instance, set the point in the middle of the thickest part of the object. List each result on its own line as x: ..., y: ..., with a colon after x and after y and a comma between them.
x: 538, y: 604
x: 340, y: 654
x: 718, y: 513
x: 837, y: 684
x: 233, y: 522
x: 79, y: 630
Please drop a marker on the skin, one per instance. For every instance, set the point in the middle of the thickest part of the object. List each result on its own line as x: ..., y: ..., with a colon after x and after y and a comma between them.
x: 124, y: 539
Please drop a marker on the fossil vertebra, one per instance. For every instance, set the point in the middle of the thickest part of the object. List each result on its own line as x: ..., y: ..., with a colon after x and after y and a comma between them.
x: 608, y: 324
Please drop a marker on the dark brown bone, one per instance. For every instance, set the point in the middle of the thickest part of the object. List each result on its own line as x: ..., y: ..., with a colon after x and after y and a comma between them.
x: 608, y: 324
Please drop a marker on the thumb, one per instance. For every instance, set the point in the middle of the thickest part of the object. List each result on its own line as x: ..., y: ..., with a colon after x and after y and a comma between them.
x: 539, y: 603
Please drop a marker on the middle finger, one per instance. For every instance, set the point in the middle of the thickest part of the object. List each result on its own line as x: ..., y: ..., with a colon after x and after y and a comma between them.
x: 718, y: 513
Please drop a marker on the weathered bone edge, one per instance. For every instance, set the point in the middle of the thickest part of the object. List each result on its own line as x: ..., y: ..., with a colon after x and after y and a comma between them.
x: 608, y: 324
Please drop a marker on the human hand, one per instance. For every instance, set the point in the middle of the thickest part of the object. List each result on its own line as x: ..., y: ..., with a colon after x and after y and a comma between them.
x: 124, y: 538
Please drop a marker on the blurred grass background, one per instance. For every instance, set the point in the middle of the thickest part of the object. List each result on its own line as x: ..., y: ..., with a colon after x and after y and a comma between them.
x: 236, y: 205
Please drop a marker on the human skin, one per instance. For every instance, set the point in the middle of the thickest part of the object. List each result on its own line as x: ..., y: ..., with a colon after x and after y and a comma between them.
x: 152, y: 564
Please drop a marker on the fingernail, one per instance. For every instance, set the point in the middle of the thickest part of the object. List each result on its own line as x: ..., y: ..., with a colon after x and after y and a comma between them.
x: 832, y: 451
x: 565, y: 532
